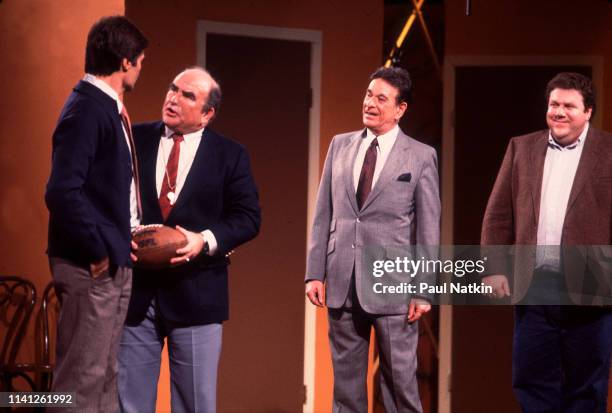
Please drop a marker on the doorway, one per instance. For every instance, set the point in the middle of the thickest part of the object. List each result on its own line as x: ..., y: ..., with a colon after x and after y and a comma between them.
x: 487, y: 101
x: 270, y: 105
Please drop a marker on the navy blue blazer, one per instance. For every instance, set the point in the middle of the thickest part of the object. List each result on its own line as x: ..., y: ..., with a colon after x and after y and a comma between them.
x: 88, y: 192
x: 219, y: 194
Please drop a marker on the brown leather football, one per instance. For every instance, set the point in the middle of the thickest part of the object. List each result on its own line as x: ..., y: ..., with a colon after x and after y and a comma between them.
x: 157, y: 244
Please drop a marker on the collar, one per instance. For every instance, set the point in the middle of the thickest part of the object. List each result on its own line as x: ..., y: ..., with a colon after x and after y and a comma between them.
x: 385, y: 139
x: 104, y: 87
x: 552, y: 143
x: 187, y: 136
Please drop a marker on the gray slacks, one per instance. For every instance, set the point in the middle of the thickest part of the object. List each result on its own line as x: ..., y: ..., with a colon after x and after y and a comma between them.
x: 91, y: 318
x: 397, y: 339
x: 194, y: 353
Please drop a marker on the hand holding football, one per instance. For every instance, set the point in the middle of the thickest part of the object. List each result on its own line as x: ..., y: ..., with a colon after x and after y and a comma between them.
x: 157, y: 244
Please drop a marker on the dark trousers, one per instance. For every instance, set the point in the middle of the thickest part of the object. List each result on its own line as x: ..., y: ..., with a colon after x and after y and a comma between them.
x: 91, y: 319
x: 561, y: 358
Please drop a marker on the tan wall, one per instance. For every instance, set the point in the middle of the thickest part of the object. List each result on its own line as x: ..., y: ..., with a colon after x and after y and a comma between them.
x: 352, y: 48
x: 42, y: 44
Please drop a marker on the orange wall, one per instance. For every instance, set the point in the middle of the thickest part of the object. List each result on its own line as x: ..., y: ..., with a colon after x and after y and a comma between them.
x: 42, y: 44
x: 42, y: 48
x: 526, y: 27
x: 352, y: 48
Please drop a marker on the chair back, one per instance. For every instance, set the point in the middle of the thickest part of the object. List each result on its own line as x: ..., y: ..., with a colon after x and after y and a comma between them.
x: 17, y: 301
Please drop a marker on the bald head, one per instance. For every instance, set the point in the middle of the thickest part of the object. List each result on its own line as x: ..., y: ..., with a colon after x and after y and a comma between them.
x: 192, y: 101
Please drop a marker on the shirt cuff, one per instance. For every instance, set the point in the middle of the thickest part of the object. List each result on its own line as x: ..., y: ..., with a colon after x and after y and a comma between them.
x: 211, y: 241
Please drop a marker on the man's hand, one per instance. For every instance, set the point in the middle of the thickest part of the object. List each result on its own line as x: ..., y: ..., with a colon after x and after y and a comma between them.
x: 97, y: 268
x: 195, y: 244
x: 315, y: 291
x: 499, y: 282
x: 417, y: 308
x: 132, y: 254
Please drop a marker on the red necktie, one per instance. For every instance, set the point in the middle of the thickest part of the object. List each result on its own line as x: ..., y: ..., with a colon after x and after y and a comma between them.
x: 125, y: 118
x: 367, y: 174
x: 167, y: 195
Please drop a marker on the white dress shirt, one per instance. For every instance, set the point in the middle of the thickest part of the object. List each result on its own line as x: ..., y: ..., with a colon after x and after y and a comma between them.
x: 105, y: 87
x: 385, y: 143
x: 189, y: 147
x: 560, y: 168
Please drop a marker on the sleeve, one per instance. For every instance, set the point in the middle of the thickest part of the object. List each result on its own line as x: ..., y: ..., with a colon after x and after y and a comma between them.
x: 241, y: 218
x: 498, y: 222
x: 428, y: 210
x: 319, y: 236
x: 75, y: 142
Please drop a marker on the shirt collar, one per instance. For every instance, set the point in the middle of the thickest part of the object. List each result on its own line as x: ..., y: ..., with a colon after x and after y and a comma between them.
x: 552, y: 143
x: 104, y: 87
x: 187, y: 136
x: 384, y: 138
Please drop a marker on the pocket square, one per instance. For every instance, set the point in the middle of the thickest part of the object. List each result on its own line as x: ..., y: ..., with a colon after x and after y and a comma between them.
x: 405, y: 177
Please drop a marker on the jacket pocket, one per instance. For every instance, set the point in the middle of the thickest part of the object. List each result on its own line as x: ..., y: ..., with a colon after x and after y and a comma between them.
x: 331, y: 246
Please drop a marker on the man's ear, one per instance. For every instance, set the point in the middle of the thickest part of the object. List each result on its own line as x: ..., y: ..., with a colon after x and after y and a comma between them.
x: 401, y: 109
x: 125, y: 64
x: 208, y: 116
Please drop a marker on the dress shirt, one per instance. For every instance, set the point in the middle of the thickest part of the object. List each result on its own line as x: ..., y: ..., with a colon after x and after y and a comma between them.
x: 560, y: 167
x: 105, y: 87
x: 189, y: 147
x: 385, y: 143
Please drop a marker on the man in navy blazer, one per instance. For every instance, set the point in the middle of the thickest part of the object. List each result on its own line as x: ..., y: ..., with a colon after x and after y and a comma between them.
x: 92, y: 199
x: 201, y: 183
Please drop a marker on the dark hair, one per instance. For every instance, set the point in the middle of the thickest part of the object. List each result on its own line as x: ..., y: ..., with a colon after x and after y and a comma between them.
x: 214, y: 98
x: 576, y: 81
x: 398, y: 78
x: 111, y: 40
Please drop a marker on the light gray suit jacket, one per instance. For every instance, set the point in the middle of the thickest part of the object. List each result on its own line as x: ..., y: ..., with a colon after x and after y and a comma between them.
x: 402, y: 209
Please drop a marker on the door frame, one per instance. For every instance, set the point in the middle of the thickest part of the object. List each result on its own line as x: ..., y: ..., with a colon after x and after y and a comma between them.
x: 451, y: 63
x: 315, y: 38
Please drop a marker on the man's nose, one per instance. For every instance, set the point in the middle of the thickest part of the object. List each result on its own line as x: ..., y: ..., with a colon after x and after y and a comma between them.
x: 559, y: 111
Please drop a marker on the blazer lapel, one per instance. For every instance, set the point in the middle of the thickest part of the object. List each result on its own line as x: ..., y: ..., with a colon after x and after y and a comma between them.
x: 201, y: 169
x: 398, y: 156
x: 148, y: 166
x: 535, y: 170
x: 348, y: 160
x: 587, y: 162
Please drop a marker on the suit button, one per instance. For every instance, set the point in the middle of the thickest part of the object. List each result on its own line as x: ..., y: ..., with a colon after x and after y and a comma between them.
x: 353, y: 246
x: 358, y: 220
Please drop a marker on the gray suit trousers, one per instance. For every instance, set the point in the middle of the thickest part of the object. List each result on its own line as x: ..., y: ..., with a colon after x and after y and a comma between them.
x: 397, y: 339
x: 92, y: 314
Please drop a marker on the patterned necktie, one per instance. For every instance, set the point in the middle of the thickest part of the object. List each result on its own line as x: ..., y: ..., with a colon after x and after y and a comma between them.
x: 367, y: 173
x: 125, y: 119
x: 167, y: 195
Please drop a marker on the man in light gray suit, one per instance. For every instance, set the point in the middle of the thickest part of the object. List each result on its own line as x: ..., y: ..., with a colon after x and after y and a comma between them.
x: 379, y: 188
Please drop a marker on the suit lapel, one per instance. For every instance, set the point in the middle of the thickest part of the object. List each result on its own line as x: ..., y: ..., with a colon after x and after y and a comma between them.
x: 588, y: 160
x: 398, y: 156
x: 348, y: 159
x: 201, y: 170
x: 535, y: 170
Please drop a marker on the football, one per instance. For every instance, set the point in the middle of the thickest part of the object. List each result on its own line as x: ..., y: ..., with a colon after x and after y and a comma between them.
x: 157, y: 244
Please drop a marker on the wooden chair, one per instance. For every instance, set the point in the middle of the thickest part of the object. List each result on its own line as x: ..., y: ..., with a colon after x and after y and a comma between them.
x: 17, y: 301
x: 46, y: 336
